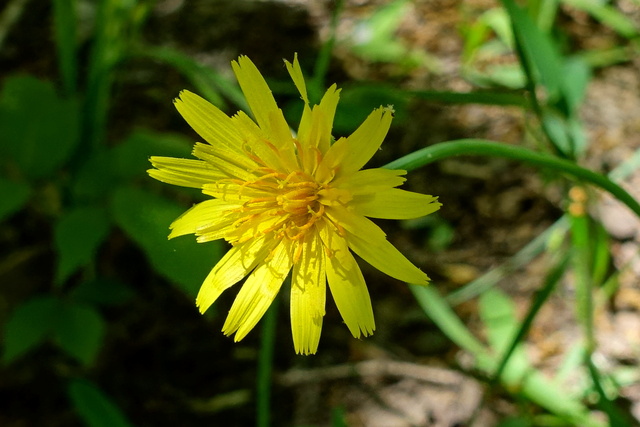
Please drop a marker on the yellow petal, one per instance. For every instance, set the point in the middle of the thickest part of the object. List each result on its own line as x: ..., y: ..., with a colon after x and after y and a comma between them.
x: 347, y: 284
x: 327, y: 111
x: 296, y: 75
x: 370, y: 243
x: 350, y: 154
x: 233, y: 266
x: 258, y: 292
x: 183, y: 172
x: 199, y: 217
x: 206, y: 119
x: 264, y: 108
x: 394, y: 203
x: 257, y: 141
x: 232, y: 165
x: 370, y: 181
x: 308, y: 294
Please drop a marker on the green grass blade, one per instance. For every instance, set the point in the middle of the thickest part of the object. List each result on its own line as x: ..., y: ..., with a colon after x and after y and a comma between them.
x: 443, y: 316
x: 199, y: 75
x: 489, y: 148
x: 524, y: 256
x: 64, y: 16
x: 540, y: 298
x: 537, y: 47
x: 478, y: 97
x: 616, y: 418
x: 265, y: 365
x: 608, y: 15
x: 317, y: 82
x: 580, y: 238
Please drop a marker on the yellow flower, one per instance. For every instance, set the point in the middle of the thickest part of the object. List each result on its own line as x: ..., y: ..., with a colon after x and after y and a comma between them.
x: 291, y: 202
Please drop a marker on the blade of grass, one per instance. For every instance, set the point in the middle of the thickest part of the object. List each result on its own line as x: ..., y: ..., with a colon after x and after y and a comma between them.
x: 198, y: 74
x: 317, y: 82
x: 582, y: 266
x: 10, y: 16
x: 529, y: 383
x: 479, y: 97
x: 616, y: 418
x: 524, y: 256
x: 539, y: 299
x: 489, y: 148
x: 608, y: 15
x: 265, y: 366
x: 443, y: 316
x: 64, y: 15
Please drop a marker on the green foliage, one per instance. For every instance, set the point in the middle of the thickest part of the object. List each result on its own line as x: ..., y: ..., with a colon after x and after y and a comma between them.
x: 374, y: 38
x: 14, y: 196
x: 75, y: 328
x: 94, y: 407
x: 145, y: 217
x: 77, y: 235
x: 39, y: 129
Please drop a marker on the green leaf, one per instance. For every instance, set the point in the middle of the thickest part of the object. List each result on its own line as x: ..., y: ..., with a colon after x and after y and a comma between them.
x: 102, y: 291
x: 538, y: 48
x: 77, y: 235
x: 79, y: 331
x: 146, y: 217
x: 95, y: 177
x: 577, y: 76
x: 14, y: 196
x: 94, y: 407
x: 131, y: 157
x: 39, y: 130
x: 29, y: 325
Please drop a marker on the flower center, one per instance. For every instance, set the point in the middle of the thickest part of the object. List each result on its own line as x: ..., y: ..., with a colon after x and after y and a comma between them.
x: 289, y: 203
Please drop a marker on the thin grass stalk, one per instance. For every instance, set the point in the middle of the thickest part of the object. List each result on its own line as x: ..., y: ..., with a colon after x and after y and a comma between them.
x: 265, y: 366
x: 540, y: 298
x: 481, y: 147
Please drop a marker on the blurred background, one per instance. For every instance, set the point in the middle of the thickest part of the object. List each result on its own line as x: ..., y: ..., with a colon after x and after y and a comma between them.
x: 533, y: 316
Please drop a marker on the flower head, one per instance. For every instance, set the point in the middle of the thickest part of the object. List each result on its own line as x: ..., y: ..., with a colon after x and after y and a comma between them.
x: 290, y: 203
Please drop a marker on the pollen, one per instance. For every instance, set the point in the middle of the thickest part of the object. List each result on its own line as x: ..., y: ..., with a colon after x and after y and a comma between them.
x: 294, y: 199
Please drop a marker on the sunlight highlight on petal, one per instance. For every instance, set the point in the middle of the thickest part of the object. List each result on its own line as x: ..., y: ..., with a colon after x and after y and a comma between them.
x: 286, y: 202
x: 308, y: 296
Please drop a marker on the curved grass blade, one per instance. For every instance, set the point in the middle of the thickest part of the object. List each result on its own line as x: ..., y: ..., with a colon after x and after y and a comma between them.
x: 489, y: 148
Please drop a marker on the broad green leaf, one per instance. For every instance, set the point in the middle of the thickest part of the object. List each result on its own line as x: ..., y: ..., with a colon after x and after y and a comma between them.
x: 39, y: 130
x: 79, y: 331
x: 94, y: 407
x: 77, y: 235
x: 131, y: 157
x: 29, y: 325
x: 14, y: 196
x: 102, y: 291
x: 146, y: 217
x: 95, y: 177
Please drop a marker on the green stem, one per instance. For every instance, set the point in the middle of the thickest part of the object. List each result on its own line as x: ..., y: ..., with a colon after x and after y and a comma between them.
x: 480, y: 147
x: 265, y: 364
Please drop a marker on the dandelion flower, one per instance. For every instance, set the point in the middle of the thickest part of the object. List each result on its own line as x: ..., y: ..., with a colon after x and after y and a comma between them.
x: 289, y: 203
